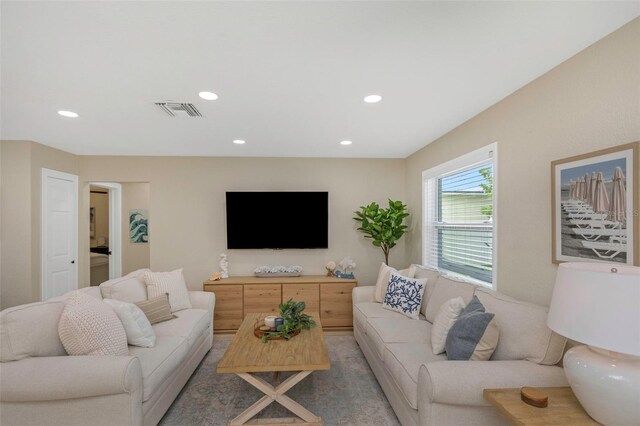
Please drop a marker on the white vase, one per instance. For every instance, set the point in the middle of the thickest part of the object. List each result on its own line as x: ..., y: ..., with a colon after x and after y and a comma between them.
x: 606, y: 383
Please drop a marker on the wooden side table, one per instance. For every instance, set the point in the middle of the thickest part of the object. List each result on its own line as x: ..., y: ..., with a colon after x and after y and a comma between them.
x: 563, y: 408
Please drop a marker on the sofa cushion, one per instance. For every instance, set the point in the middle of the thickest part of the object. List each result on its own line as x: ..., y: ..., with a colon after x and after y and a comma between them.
x: 190, y: 323
x: 404, y: 295
x: 384, y: 274
x: 446, y: 317
x: 160, y: 361
x: 173, y: 284
x: 474, y: 336
x: 363, y: 311
x: 432, y: 276
x: 403, y: 361
x: 135, y: 323
x: 89, y: 291
x: 90, y: 327
x: 382, y: 331
x: 30, y: 330
x: 157, y: 309
x: 446, y: 289
x: 130, y: 288
x: 523, y: 330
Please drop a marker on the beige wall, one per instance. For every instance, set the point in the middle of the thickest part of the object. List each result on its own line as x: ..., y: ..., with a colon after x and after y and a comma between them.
x: 99, y: 200
x: 135, y: 195
x: 187, y: 224
x: 590, y: 102
x: 22, y: 163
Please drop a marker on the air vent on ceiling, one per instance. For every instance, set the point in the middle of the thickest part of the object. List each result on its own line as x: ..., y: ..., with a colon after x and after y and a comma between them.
x: 179, y: 109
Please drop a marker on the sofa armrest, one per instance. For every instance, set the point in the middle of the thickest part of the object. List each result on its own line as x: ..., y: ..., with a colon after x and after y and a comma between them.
x: 203, y: 300
x: 68, y: 377
x: 462, y: 382
x: 363, y: 294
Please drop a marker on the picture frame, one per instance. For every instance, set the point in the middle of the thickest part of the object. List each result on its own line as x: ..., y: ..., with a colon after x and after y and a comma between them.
x: 138, y: 226
x: 92, y: 222
x: 595, y: 205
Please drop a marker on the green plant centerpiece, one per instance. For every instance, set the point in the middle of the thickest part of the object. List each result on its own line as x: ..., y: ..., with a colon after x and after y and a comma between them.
x: 294, y: 320
x: 383, y: 226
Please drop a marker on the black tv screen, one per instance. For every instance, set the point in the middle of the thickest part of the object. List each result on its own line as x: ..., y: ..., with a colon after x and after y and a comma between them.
x: 277, y: 220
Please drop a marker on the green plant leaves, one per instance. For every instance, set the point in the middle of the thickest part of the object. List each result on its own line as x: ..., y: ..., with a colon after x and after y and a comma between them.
x: 383, y: 226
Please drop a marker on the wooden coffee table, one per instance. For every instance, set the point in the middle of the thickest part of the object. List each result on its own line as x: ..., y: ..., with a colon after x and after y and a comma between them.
x: 247, y: 354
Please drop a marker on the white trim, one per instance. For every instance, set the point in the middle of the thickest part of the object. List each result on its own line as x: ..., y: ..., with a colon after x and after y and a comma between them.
x: 115, y: 226
x: 489, y: 152
x: 46, y: 174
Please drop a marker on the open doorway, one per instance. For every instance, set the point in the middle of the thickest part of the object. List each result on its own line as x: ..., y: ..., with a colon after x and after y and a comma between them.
x: 99, y: 234
x: 105, y: 228
x: 119, y: 232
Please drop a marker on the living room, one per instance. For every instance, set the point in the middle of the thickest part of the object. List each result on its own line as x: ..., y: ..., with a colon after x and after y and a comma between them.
x: 526, y: 87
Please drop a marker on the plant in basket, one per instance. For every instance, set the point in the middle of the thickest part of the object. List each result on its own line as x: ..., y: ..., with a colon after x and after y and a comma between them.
x: 294, y: 321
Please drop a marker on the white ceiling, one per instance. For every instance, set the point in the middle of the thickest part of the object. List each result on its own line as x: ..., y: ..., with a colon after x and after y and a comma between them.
x: 290, y: 75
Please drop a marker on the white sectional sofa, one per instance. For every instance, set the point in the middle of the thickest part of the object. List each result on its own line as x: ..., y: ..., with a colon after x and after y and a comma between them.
x: 41, y: 385
x: 428, y: 389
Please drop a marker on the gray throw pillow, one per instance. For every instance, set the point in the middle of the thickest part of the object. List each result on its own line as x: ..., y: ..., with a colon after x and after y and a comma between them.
x: 474, y: 336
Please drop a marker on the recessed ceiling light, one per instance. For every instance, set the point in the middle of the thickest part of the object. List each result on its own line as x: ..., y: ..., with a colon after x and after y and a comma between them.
x: 70, y: 114
x: 209, y: 96
x: 239, y: 142
x: 372, y: 99
x: 346, y: 143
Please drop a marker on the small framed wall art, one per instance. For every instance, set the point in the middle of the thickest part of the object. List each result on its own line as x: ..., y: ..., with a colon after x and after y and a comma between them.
x: 595, y: 206
x: 138, y: 226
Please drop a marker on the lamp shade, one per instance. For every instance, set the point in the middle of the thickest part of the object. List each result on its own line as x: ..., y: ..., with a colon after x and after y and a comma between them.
x: 598, y: 304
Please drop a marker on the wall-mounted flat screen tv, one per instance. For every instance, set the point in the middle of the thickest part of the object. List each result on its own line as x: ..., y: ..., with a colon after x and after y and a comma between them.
x: 277, y: 220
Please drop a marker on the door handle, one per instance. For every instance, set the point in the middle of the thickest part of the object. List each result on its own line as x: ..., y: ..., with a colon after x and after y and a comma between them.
x: 73, y: 261
x: 109, y: 253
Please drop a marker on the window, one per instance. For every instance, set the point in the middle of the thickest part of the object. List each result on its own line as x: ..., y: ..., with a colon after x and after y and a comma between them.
x: 459, y: 216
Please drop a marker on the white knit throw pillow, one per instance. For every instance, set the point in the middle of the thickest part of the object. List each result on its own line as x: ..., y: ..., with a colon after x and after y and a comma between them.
x: 444, y: 320
x: 89, y: 327
x: 173, y: 283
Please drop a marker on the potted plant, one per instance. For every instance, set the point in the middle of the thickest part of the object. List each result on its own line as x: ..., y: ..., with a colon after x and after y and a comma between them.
x: 383, y: 226
x: 294, y: 320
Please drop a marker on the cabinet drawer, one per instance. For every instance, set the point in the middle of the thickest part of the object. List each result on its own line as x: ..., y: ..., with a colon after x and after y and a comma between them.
x: 307, y: 293
x: 336, y: 309
x: 228, y: 311
x: 262, y: 298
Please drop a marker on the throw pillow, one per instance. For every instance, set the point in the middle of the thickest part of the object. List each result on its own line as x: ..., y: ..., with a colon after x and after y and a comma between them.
x: 445, y: 318
x: 173, y: 283
x: 89, y: 327
x: 474, y: 336
x: 135, y: 322
x: 383, y: 279
x: 404, y: 295
x: 157, y: 309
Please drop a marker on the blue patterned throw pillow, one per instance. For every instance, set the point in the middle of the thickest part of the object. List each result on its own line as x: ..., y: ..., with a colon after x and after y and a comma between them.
x: 404, y: 295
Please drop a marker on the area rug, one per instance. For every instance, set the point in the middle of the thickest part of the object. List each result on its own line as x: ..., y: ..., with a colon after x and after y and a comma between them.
x: 348, y: 394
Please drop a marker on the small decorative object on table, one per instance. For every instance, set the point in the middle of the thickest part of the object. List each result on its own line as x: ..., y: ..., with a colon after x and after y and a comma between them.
x: 346, y: 269
x: 224, y: 266
x: 534, y: 397
x: 215, y: 276
x: 290, y: 323
x: 331, y: 268
x: 278, y: 271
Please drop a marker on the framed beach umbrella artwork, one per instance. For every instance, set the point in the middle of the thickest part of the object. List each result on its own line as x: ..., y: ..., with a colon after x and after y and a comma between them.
x: 595, y: 207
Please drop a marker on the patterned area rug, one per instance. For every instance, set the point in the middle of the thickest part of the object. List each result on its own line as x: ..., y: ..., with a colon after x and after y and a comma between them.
x: 348, y: 394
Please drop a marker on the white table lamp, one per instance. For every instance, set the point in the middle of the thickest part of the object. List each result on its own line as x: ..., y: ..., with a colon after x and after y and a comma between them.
x: 598, y: 304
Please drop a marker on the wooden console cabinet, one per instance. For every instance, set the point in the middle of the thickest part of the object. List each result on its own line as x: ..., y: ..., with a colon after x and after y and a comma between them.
x: 238, y: 296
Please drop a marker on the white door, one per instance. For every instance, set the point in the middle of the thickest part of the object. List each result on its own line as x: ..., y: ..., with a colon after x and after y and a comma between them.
x: 59, y: 233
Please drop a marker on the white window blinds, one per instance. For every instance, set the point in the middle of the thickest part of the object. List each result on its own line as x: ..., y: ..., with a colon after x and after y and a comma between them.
x: 458, y: 227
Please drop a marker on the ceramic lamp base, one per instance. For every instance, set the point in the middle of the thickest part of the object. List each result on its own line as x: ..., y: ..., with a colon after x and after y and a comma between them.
x: 606, y: 383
